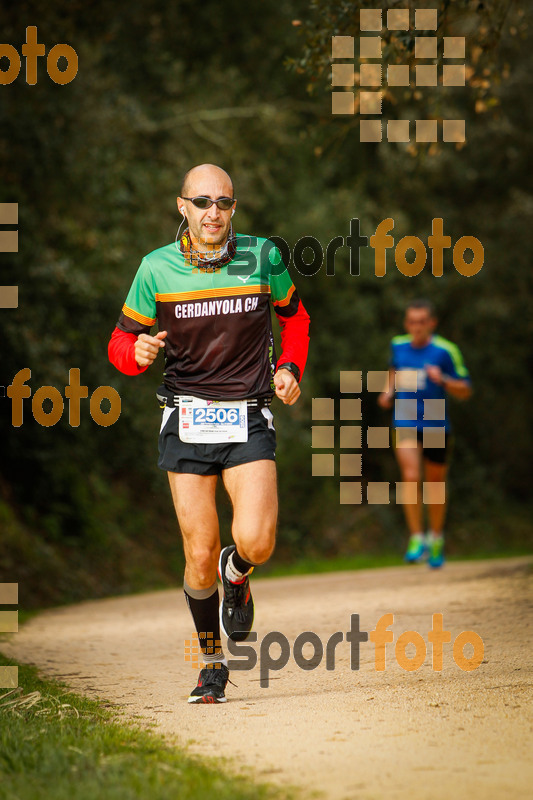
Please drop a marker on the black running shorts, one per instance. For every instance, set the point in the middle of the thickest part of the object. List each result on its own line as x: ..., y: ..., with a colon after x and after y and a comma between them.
x: 439, y: 455
x: 211, y: 459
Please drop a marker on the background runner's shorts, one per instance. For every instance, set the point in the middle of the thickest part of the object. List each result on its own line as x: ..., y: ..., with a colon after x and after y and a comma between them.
x: 211, y: 459
x: 439, y: 455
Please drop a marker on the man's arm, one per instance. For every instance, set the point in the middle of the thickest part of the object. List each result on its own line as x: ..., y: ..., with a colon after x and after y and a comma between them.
x: 452, y: 373
x: 457, y: 387
x: 295, y: 346
x: 131, y: 348
x: 386, y: 399
x: 133, y: 354
x: 121, y: 352
x: 294, y: 337
x: 294, y: 323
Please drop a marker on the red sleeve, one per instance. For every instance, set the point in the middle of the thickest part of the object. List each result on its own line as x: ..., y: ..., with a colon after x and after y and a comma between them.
x: 294, y: 337
x: 122, y: 354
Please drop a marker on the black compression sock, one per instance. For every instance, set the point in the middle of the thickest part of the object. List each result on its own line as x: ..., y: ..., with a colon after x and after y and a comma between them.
x: 203, y: 605
x: 240, y: 564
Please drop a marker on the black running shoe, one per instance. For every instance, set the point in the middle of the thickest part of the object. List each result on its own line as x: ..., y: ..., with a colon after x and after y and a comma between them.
x: 237, y: 606
x: 211, y: 684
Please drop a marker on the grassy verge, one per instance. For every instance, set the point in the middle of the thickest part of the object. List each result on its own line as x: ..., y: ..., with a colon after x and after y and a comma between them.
x: 54, y: 744
x: 310, y: 566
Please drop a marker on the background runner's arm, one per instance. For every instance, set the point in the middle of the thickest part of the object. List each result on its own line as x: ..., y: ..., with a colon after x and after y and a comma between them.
x: 458, y: 387
x: 385, y: 399
x: 461, y: 388
x: 452, y: 374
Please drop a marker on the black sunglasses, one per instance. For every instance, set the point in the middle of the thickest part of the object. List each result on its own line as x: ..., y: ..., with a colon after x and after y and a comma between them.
x: 223, y: 203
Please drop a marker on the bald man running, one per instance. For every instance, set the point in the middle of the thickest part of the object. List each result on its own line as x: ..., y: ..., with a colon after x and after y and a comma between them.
x: 210, y: 293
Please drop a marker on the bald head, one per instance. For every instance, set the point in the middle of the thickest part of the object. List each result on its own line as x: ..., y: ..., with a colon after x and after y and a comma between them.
x: 208, y: 227
x: 206, y: 180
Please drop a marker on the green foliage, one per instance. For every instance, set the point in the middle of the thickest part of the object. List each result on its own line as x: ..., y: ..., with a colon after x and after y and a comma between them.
x: 484, y: 24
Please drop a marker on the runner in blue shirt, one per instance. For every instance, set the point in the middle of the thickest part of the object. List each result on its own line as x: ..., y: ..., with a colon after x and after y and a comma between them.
x: 424, y: 369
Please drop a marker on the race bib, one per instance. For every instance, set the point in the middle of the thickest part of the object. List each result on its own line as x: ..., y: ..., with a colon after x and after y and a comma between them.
x: 411, y: 380
x: 213, y: 421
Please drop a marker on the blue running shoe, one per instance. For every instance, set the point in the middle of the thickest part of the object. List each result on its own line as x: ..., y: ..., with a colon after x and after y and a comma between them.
x: 436, y: 551
x: 416, y: 549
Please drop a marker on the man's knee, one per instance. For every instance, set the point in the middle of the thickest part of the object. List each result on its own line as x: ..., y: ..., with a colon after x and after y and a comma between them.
x: 435, y: 472
x: 410, y: 473
x: 203, y: 561
x: 258, y: 554
x: 256, y: 550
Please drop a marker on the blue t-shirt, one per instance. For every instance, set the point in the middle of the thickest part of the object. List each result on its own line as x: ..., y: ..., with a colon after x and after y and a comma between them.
x: 419, y: 402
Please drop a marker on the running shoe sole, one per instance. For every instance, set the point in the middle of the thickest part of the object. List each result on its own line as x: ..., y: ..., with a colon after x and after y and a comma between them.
x: 206, y: 699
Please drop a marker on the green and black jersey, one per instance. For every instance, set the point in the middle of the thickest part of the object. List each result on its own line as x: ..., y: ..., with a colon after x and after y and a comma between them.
x: 219, y: 342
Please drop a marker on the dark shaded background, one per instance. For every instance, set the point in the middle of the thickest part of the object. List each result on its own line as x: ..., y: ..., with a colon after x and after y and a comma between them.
x: 95, y: 167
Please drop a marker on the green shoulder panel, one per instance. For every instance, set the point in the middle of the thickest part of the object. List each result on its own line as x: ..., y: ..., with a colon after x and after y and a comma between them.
x: 141, y: 296
x: 454, y: 353
x: 281, y: 285
x: 403, y: 338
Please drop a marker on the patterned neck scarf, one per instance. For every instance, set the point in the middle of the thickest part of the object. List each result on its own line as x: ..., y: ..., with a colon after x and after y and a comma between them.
x: 203, y: 261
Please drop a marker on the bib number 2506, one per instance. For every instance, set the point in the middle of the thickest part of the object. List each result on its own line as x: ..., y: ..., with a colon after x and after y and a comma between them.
x: 211, y: 414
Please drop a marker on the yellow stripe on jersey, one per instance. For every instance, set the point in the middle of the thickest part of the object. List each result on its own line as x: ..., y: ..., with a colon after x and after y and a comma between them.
x: 286, y: 300
x: 129, y: 312
x: 224, y: 291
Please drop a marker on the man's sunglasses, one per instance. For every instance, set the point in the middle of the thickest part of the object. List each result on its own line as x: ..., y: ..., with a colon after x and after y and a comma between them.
x: 223, y: 203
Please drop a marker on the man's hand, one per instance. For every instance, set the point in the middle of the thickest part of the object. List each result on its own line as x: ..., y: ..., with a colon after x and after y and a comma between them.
x: 147, y: 348
x: 385, y: 399
x: 457, y: 387
x: 287, y: 388
x: 434, y: 373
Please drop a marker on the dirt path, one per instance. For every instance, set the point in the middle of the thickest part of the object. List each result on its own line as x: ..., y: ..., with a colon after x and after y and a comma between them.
x: 346, y: 733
